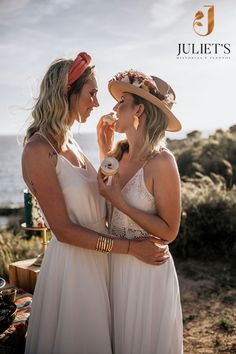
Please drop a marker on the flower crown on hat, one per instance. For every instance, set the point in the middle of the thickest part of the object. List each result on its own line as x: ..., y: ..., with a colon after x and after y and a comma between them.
x: 139, y: 79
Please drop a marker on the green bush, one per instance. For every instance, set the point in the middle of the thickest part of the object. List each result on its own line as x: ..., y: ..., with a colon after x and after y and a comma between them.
x: 215, y: 154
x: 208, y: 225
x: 207, y: 168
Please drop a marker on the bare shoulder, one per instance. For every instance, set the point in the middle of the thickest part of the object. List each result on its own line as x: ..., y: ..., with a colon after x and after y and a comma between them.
x: 36, y: 149
x: 162, y: 162
x: 164, y: 175
x: 38, y: 163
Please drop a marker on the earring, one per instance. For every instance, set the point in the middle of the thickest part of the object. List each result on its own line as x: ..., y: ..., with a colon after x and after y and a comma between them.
x: 136, y: 122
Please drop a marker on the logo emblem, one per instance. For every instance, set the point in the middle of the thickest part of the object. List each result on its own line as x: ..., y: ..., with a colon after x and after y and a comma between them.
x: 209, y: 23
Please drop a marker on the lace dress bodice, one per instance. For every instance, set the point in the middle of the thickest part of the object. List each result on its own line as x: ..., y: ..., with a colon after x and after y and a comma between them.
x: 137, y: 195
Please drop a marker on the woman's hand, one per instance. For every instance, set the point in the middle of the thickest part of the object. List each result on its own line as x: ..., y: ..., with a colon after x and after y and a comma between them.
x: 105, y: 136
x: 150, y: 250
x: 111, y: 192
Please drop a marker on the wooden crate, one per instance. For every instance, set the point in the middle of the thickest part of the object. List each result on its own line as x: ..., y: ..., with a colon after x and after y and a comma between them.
x: 24, y: 274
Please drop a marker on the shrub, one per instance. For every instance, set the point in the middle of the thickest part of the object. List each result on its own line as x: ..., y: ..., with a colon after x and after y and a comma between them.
x: 215, y: 154
x: 225, y: 323
x: 208, y: 225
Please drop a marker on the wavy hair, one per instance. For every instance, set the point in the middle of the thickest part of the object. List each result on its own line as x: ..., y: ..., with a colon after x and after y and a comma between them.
x: 50, y: 113
x: 154, y: 131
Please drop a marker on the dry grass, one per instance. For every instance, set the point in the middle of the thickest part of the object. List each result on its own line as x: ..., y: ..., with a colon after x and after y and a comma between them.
x: 15, y: 248
x: 208, y: 293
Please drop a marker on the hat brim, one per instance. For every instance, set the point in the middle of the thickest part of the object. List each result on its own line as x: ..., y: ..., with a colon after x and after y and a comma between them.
x: 118, y: 88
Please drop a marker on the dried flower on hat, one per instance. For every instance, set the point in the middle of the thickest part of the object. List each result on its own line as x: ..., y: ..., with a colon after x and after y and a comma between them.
x: 139, y: 79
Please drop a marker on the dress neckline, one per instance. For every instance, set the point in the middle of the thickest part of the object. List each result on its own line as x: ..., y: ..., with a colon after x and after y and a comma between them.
x: 74, y: 143
x: 72, y: 165
x: 85, y: 160
x: 141, y: 169
x: 132, y: 178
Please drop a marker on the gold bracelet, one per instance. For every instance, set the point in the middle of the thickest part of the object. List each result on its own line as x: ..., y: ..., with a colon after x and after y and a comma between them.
x: 99, y: 244
x: 104, y: 244
x: 108, y: 244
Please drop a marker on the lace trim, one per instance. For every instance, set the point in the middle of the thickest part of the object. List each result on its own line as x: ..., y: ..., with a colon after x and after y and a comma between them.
x: 123, y: 232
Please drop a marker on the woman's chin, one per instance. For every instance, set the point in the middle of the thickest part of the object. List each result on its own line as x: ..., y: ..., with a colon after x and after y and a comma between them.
x: 84, y: 118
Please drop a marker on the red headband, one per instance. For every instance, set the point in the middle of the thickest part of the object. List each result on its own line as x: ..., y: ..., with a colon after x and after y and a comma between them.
x: 78, y: 66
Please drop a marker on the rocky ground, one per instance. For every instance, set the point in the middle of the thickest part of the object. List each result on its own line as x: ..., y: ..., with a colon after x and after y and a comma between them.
x: 208, y: 293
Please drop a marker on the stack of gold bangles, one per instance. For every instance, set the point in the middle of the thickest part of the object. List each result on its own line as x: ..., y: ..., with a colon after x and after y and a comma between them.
x: 104, y: 244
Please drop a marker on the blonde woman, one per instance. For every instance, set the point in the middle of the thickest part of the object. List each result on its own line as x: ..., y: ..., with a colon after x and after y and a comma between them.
x: 71, y: 309
x: 145, y: 198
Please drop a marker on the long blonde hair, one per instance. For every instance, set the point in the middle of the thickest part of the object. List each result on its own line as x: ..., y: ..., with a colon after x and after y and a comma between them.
x: 50, y: 113
x: 154, y: 131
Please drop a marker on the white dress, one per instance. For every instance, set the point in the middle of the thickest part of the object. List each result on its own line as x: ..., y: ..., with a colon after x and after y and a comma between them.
x: 71, y: 309
x: 145, y: 299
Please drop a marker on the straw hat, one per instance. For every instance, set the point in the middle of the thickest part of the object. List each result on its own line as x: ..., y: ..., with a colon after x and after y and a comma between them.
x: 151, y: 88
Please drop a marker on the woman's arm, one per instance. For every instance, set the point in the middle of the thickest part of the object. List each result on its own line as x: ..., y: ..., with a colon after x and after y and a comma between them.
x: 105, y: 138
x: 166, y: 189
x: 39, y: 172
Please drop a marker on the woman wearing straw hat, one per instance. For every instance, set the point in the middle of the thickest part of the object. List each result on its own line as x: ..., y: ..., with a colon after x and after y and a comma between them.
x: 71, y: 309
x: 145, y: 195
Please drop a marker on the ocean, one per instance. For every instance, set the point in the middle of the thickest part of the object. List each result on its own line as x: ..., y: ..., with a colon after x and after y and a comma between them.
x: 11, y: 181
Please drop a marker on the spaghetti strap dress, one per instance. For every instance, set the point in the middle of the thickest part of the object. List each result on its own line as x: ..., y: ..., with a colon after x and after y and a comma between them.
x: 145, y: 299
x: 71, y: 309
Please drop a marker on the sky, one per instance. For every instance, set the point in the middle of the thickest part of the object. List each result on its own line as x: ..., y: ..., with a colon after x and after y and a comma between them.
x: 119, y: 35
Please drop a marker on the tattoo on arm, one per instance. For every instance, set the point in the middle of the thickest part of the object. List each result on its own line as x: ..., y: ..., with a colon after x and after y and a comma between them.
x: 52, y: 154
